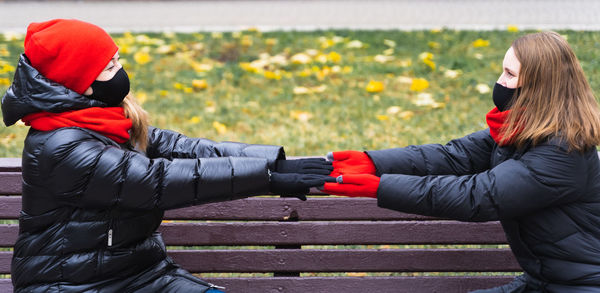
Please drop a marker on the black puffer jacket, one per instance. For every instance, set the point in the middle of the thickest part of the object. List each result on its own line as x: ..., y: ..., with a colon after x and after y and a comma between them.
x: 547, y: 199
x: 91, y: 207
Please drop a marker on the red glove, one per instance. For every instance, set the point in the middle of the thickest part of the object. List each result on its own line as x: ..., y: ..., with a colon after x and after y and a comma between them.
x: 351, y: 162
x: 354, y: 185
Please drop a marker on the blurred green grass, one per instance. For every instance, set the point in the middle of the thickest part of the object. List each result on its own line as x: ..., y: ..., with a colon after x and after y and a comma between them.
x: 308, y: 90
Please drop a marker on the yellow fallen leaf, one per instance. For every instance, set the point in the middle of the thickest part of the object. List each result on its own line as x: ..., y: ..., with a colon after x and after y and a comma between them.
x: 300, y: 90
x: 300, y: 115
x: 374, y: 86
x: 426, y: 100
x: 419, y: 84
x: 334, y: 57
x: 355, y: 44
x: 271, y: 42
x: 195, y: 120
x: 199, y: 84
x: 482, y: 88
x: 272, y: 75
x: 404, y: 79
x: 512, y: 28
x: 393, y: 110
x: 220, y: 127
x: 300, y: 58
x: 452, y: 73
x: 434, y: 45
x: 141, y: 97
x: 406, y: 115
x: 389, y: 43
x: 142, y: 57
x: 383, y: 58
x: 382, y: 117
x: 481, y: 43
x: 201, y: 67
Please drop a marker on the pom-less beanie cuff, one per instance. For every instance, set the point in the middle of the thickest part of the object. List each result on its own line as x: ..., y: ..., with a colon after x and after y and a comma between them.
x: 68, y: 51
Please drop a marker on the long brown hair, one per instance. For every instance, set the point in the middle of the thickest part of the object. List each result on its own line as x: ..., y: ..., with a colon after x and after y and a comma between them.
x: 555, y: 98
x: 139, y: 117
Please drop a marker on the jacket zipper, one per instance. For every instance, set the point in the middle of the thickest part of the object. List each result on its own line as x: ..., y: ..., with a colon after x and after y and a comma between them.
x: 110, y: 236
x: 213, y: 286
x: 110, y: 228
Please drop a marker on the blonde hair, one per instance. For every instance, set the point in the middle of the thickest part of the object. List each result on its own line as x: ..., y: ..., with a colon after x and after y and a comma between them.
x: 555, y: 98
x: 139, y: 118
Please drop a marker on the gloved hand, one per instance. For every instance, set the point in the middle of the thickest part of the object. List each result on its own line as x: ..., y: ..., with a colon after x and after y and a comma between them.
x: 351, y: 162
x: 296, y: 185
x: 304, y: 166
x: 354, y: 185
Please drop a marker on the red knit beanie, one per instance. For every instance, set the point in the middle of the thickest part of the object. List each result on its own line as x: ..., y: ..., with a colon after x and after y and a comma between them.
x: 68, y: 51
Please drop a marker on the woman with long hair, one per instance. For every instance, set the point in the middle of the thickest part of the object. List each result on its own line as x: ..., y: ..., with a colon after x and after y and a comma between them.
x: 535, y: 169
x: 97, y: 179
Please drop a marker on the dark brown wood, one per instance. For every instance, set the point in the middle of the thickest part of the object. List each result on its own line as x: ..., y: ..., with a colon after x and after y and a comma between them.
x: 10, y: 183
x: 348, y: 284
x: 10, y: 206
x: 361, y: 284
x: 317, y: 233
x: 328, y: 260
x: 10, y: 164
x: 334, y: 233
x: 266, y: 209
x: 274, y: 208
x: 6, y: 285
x: 393, y: 260
x: 8, y: 235
x: 5, y: 257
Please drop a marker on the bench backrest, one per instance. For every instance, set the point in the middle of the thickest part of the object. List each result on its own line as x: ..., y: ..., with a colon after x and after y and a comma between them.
x: 362, y: 246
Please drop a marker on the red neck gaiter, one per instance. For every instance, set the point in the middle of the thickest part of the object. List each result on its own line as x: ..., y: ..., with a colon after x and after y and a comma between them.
x: 496, y: 120
x: 110, y: 122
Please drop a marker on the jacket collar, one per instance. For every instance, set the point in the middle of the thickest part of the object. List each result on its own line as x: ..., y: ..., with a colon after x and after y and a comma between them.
x: 31, y: 92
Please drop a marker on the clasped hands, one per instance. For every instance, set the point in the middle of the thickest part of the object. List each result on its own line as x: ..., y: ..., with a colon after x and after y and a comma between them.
x: 347, y: 173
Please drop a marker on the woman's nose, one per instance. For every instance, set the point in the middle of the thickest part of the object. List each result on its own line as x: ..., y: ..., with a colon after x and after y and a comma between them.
x: 502, y: 80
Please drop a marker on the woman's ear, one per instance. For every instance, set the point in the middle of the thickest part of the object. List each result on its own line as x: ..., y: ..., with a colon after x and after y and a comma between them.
x: 88, y: 92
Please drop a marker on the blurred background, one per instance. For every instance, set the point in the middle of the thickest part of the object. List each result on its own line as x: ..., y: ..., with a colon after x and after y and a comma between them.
x: 313, y: 75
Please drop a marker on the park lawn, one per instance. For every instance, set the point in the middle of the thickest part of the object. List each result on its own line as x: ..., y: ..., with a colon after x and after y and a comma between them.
x: 315, y: 91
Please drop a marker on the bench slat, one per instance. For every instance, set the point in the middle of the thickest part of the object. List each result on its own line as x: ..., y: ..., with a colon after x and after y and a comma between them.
x: 10, y: 165
x: 10, y: 206
x: 361, y: 285
x: 8, y: 235
x: 317, y: 233
x: 304, y: 260
x: 348, y: 284
x: 329, y: 260
x: 333, y: 233
x: 10, y: 183
x: 266, y: 209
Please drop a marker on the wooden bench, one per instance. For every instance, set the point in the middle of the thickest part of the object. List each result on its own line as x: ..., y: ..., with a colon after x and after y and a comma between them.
x: 360, y: 239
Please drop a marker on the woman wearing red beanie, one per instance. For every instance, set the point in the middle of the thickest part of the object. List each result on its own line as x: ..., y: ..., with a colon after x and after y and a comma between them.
x: 97, y: 179
x: 535, y: 169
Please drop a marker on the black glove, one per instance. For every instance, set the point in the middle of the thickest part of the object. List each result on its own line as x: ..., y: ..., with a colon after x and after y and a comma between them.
x: 304, y: 166
x: 296, y: 185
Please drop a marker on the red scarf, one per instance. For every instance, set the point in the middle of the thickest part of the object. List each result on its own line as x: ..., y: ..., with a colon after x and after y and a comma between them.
x: 496, y: 120
x: 110, y: 122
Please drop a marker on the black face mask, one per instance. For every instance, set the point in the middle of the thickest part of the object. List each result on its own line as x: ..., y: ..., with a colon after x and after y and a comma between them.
x: 112, y: 91
x: 503, y: 96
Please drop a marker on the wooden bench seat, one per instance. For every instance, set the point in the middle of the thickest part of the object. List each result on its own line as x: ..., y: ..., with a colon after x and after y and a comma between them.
x: 288, y: 238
